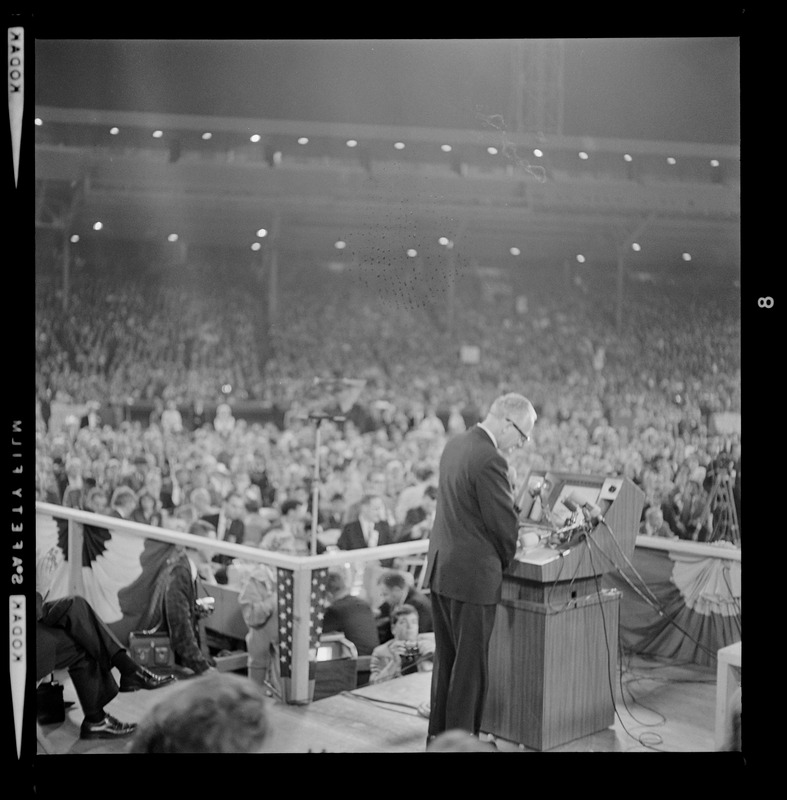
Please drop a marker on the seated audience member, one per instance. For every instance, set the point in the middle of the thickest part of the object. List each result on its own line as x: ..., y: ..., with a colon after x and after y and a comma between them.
x: 216, y: 713
x: 254, y: 525
x: 174, y: 607
x: 654, y: 525
x: 200, y: 499
x: 207, y: 569
x: 291, y: 532
x: 124, y: 502
x: 331, y: 517
x: 69, y: 635
x: 147, y: 510
x: 396, y: 592
x: 459, y: 741
x: 370, y: 529
x: 228, y: 523
x: 419, y: 520
x: 349, y: 615
x: 412, y: 496
x: 407, y: 652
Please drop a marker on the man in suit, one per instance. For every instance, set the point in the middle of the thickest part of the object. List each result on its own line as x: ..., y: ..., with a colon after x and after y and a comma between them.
x: 69, y: 635
x: 228, y: 524
x: 369, y: 530
x: 472, y: 542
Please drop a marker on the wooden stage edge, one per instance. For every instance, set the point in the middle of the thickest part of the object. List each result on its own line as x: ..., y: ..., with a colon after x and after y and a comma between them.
x: 668, y: 708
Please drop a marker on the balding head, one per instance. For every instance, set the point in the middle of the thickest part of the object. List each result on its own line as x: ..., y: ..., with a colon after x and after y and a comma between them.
x: 511, y: 419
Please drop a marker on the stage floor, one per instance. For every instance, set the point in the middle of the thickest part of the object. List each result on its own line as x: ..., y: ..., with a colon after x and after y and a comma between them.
x: 665, y: 707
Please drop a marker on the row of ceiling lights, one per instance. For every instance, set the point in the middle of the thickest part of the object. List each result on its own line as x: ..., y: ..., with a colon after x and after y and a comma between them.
x: 446, y: 148
x: 411, y: 252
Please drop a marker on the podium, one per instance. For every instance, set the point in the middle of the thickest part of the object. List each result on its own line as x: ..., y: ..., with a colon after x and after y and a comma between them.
x: 553, y: 651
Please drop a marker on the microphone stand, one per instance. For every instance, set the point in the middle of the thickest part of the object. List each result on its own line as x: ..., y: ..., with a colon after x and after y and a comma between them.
x: 319, y: 419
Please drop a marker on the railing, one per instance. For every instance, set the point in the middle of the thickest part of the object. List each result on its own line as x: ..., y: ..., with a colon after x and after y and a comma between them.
x: 302, y: 568
x: 689, y: 548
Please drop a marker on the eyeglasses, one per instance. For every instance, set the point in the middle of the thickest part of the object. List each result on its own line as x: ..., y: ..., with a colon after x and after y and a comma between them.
x: 525, y: 437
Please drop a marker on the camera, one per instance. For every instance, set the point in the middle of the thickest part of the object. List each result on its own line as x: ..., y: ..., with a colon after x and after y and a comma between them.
x: 204, y: 606
x: 411, y: 651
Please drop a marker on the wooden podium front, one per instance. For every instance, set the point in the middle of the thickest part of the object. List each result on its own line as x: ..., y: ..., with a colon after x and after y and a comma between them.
x: 553, y: 651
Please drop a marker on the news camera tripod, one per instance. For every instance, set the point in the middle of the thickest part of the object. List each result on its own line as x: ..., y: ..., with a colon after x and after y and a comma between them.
x: 721, y: 504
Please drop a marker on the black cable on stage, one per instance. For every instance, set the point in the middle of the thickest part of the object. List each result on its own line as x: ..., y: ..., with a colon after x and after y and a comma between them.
x: 639, y: 739
x: 656, y: 605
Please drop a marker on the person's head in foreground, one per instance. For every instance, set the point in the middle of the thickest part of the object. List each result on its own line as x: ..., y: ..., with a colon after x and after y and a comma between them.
x: 215, y: 713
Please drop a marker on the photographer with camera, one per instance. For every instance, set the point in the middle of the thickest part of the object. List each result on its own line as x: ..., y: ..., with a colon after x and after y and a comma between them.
x: 409, y: 651
x: 180, y: 603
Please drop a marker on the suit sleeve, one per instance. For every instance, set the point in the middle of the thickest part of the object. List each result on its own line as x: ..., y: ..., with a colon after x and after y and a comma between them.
x: 497, y: 507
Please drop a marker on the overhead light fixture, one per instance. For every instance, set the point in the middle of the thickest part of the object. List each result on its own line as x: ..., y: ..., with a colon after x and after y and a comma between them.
x: 74, y: 238
x: 262, y: 233
x: 492, y: 151
x: 714, y: 162
x: 255, y: 246
x: 38, y: 121
x: 255, y: 137
x: 158, y: 134
x: 539, y: 153
x: 686, y: 256
x: 114, y: 131
x: 412, y: 253
x: 580, y: 258
x: 340, y: 245
x: 515, y: 251
x: 399, y: 145
x: 443, y: 240
x: 303, y: 140
x: 583, y: 155
x: 207, y: 135
x: 627, y: 157
x: 671, y: 160
x: 635, y: 247
x: 446, y: 148
x: 352, y: 143
x: 173, y: 237
x: 97, y: 226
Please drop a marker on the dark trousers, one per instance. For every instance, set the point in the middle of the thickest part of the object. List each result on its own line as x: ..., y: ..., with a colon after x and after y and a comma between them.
x: 461, y: 675
x: 85, y: 646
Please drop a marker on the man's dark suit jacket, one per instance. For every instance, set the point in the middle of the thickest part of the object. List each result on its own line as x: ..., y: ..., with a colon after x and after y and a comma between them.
x: 351, y: 538
x: 474, y: 536
x: 234, y: 532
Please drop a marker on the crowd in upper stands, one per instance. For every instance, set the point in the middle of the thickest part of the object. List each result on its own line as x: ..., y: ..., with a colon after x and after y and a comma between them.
x: 638, y: 401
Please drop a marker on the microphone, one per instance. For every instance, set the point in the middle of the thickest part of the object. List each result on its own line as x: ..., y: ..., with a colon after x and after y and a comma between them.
x: 571, y: 504
x: 593, y: 513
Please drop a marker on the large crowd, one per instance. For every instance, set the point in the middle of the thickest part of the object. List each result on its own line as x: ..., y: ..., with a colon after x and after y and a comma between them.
x: 639, y: 401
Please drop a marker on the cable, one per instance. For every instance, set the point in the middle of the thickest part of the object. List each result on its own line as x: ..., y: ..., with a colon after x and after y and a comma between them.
x: 656, y: 605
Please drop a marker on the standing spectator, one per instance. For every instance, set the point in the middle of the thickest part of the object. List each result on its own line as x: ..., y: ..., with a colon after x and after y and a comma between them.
x: 473, y: 540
